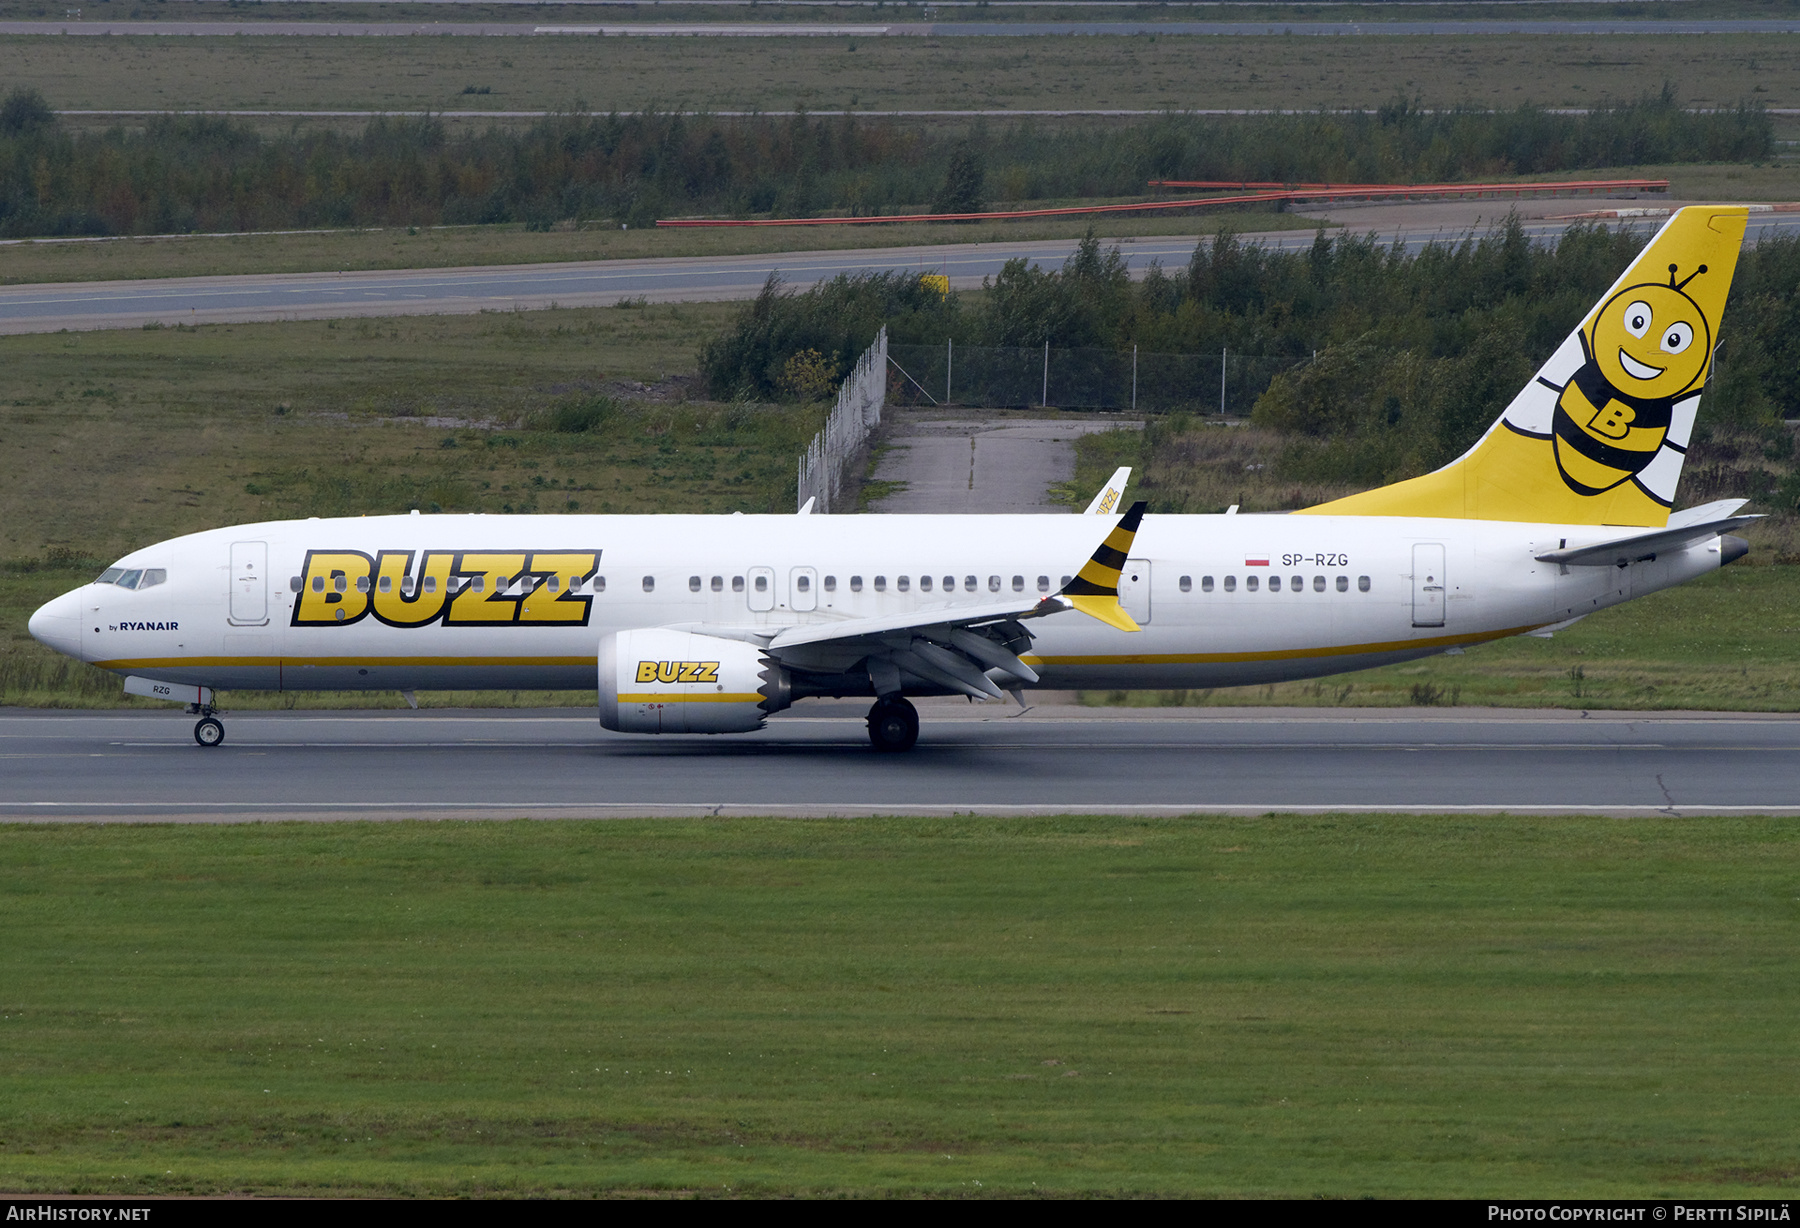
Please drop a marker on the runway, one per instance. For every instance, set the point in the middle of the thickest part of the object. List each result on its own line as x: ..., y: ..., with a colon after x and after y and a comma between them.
x: 46, y: 307
x: 815, y: 762
x: 939, y: 29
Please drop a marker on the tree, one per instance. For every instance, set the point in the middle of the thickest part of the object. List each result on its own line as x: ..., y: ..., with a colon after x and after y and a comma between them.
x: 962, y: 190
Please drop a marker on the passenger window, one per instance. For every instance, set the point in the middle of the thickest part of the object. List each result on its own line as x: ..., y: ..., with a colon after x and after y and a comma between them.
x: 407, y: 584
x: 950, y: 583
x: 649, y: 584
x: 599, y: 584
x: 295, y: 584
x: 1362, y: 584
x: 1318, y: 584
x: 341, y: 582
x: 902, y: 583
x: 387, y: 584
x: 318, y: 584
x: 1043, y: 584
x: 152, y: 577
x: 831, y: 584
x: 431, y: 584
x: 881, y: 584
x: 1206, y: 584
x: 1250, y: 583
x: 970, y: 583
x: 718, y: 584
x: 111, y: 576
x: 1231, y: 584
x: 924, y: 583
x: 551, y: 583
x: 737, y: 584
x: 479, y: 584
x: 1343, y: 584
x: 856, y: 584
x: 362, y: 584
x: 1065, y: 581
x: 803, y: 583
x: 762, y: 584
x: 993, y: 584
x: 1018, y: 584
x: 693, y: 584
x: 1299, y: 584
x: 1274, y: 584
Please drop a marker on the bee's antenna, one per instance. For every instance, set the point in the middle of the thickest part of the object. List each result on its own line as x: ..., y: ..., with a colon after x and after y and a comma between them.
x: 1682, y: 284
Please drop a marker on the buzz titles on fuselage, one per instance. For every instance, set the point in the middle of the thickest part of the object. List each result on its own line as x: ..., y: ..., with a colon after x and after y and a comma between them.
x: 450, y: 588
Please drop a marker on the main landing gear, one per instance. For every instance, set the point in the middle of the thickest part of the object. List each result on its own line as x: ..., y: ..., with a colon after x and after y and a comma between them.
x: 893, y: 724
x: 209, y: 730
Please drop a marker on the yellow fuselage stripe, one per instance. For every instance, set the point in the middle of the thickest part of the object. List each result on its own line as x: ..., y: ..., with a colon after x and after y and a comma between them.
x: 726, y: 697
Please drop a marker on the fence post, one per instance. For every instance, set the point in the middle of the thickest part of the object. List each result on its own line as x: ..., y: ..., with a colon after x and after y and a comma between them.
x: 949, y: 354
x: 1044, y: 396
x: 1134, y: 379
x: 1222, y: 353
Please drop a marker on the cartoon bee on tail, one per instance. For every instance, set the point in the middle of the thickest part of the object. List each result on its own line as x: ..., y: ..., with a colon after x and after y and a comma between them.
x: 1647, y: 348
x: 1599, y: 435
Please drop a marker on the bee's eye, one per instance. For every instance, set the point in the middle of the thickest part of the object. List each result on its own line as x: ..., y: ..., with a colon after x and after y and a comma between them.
x: 1637, y: 319
x: 1678, y: 338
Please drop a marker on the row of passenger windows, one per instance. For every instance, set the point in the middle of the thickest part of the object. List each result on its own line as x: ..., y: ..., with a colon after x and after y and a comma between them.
x: 409, y: 585
x: 142, y: 577
x: 1296, y: 584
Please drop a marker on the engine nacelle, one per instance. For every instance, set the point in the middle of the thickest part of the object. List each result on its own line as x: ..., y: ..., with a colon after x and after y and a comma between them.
x: 657, y: 681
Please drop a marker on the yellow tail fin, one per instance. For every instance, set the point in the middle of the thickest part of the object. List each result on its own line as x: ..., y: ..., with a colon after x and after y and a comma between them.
x: 1599, y: 435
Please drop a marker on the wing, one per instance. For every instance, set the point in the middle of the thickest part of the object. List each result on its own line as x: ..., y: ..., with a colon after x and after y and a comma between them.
x: 970, y: 650
x: 1111, y: 493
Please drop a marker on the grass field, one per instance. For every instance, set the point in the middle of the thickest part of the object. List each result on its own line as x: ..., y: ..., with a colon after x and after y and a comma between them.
x: 1096, y: 72
x: 1319, y: 1006
x: 455, y: 246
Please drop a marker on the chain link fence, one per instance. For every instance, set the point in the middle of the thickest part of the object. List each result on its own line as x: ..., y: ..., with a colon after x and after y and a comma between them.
x: 858, y: 411
x: 1080, y: 378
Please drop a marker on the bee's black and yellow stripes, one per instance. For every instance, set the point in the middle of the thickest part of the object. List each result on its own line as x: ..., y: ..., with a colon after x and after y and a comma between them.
x: 1095, y: 589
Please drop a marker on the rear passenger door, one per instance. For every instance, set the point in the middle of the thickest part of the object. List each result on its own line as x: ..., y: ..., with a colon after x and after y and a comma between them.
x: 1134, y: 589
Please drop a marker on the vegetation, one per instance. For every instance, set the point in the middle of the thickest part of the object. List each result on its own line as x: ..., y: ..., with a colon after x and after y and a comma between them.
x: 1289, y: 1006
x: 187, y: 173
x: 881, y: 74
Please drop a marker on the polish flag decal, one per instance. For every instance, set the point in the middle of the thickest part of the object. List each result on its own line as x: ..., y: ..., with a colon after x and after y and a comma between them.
x: 1256, y: 560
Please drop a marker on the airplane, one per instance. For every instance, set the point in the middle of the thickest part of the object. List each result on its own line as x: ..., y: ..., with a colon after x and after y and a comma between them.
x: 709, y: 624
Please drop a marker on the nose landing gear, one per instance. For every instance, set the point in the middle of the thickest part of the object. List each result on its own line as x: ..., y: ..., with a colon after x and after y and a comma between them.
x: 893, y: 724
x: 209, y: 730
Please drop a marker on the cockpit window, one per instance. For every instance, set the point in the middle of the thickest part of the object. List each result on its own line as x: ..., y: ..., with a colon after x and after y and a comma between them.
x: 130, y: 579
x: 153, y: 576
x: 110, y: 575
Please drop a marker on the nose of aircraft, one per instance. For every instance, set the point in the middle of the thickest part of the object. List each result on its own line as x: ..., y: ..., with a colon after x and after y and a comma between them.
x: 58, y: 624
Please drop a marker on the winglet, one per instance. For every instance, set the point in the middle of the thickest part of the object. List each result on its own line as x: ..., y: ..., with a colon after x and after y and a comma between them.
x: 1095, y: 590
x: 1111, y: 493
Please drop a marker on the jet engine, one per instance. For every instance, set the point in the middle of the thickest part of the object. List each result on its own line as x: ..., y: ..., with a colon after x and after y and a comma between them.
x: 659, y: 681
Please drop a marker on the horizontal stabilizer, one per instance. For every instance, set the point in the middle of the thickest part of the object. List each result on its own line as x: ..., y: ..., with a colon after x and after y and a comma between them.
x: 1645, y: 546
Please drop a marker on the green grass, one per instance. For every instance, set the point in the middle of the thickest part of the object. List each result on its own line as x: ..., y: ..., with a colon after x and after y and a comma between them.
x: 1098, y: 72
x: 217, y: 255
x: 1283, y: 1006
x: 120, y: 439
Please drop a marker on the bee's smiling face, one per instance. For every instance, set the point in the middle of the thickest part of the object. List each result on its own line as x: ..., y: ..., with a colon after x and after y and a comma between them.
x: 1651, y: 341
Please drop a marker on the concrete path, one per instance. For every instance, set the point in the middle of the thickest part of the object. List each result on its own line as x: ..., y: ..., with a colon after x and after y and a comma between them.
x: 957, y: 462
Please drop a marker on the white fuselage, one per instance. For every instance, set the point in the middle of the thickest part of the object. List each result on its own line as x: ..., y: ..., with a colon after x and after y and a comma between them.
x: 1352, y: 592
